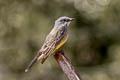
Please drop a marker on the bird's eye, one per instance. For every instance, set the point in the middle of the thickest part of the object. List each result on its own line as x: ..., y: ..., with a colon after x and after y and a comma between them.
x: 63, y: 20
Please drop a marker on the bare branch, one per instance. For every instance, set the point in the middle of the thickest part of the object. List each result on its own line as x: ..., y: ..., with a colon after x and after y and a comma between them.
x: 66, y: 66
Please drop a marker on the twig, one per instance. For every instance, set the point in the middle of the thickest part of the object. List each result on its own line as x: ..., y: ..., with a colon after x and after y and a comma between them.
x: 66, y: 66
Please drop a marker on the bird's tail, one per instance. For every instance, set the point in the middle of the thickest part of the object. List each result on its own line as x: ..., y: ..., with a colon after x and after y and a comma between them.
x: 39, y: 56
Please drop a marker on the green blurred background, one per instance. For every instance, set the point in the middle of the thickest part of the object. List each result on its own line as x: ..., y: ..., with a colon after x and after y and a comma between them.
x: 93, y: 45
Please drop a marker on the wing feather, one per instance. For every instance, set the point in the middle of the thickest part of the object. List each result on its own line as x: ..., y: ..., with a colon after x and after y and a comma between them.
x: 51, y: 44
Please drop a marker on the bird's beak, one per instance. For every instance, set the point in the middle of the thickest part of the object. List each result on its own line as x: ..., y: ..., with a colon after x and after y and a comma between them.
x: 72, y: 19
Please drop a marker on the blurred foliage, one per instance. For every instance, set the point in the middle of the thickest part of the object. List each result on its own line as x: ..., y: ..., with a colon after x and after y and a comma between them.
x: 93, y: 45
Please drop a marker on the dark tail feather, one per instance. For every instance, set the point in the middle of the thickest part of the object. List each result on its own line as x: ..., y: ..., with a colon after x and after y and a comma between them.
x: 32, y: 62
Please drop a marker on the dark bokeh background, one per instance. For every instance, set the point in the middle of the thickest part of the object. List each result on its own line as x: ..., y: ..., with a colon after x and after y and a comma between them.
x: 93, y: 45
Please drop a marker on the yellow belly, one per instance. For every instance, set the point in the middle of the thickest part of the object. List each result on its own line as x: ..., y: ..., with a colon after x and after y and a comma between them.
x: 61, y: 43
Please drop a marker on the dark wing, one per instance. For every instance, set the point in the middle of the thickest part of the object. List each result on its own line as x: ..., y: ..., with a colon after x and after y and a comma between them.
x: 51, y: 44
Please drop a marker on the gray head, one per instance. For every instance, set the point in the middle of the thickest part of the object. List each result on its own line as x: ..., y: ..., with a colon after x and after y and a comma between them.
x: 63, y: 21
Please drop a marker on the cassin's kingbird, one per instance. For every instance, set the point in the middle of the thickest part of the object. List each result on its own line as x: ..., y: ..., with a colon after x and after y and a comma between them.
x: 55, y: 39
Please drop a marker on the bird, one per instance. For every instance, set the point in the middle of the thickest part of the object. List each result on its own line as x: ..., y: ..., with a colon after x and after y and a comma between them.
x: 54, y: 40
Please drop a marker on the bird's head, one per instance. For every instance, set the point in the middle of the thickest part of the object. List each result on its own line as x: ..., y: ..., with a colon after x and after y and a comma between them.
x: 63, y: 21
